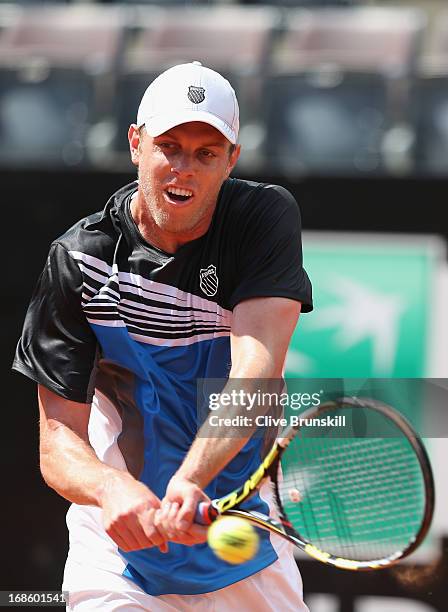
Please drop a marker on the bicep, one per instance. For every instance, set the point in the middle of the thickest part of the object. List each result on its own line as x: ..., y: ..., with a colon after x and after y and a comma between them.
x: 56, y: 412
x: 261, y: 331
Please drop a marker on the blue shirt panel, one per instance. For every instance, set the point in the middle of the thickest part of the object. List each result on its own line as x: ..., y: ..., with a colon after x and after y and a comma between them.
x: 165, y: 391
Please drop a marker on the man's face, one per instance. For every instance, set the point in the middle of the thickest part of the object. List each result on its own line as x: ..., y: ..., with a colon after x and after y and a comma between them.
x: 180, y: 174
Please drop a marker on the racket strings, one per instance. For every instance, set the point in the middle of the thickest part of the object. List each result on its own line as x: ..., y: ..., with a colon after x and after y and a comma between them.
x: 359, y: 498
x: 360, y: 524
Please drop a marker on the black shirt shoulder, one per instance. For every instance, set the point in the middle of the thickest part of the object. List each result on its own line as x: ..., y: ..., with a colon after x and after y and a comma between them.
x: 58, y: 348
x: 262, y: 228
x: 97, y: 234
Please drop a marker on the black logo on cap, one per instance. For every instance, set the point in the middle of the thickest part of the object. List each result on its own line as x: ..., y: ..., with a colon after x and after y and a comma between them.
x: 196, y: 94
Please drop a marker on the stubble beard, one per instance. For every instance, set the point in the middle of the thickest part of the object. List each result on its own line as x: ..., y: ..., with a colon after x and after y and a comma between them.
x: 160, y: 216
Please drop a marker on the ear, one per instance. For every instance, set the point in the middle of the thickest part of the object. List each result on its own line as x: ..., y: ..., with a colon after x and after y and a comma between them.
x: 134, y: 143
x: 233, y: 159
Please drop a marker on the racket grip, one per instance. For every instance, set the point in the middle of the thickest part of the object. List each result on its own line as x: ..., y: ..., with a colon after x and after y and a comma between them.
x: 205, y: 513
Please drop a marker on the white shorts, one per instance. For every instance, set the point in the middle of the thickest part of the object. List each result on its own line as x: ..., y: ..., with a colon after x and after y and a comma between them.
x: 277, y: 587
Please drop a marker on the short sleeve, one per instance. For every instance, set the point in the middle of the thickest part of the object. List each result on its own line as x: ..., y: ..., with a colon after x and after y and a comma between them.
x: 57, y: 348
x: 269, y: 251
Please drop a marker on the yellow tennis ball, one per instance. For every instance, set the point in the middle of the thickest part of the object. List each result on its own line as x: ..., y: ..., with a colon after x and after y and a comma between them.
x: 233, y: 539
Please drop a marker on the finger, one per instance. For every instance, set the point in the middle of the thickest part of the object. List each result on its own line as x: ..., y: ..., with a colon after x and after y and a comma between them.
x: 196, y: 535
x: 125, y: 538
x: 128, y: 534
x: 153, y: 533
x: 159, y: 539
x: 162, y: 525
x: 143, y: 530
x: 187, y: 540
x: 172, y: 516
x: 187, y: 512
x: 117, y: 538
x: 164, y: 547
x: 198, y: 532
x: 164, y: 522
x: 168, y: 521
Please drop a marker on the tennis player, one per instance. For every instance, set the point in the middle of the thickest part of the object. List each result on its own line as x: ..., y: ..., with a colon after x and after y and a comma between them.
x: 185, y: 274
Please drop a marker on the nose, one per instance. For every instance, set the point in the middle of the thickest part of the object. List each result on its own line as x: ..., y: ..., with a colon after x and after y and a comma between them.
x: 182, y: 164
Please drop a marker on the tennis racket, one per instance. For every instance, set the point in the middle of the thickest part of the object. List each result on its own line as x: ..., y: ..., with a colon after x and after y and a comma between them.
x: 359, y: 501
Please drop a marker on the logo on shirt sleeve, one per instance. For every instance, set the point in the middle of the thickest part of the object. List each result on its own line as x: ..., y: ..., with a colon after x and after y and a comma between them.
x: 208, y: 281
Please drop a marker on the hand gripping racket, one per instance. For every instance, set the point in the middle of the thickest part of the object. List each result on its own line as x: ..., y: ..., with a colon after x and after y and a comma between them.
x: 359, y: 500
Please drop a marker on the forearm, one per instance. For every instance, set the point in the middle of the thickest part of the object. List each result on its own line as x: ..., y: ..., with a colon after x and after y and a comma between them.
x: 70, y: 466
x: 216, y: 445
x: 207, y: 457
x: 261, y: 331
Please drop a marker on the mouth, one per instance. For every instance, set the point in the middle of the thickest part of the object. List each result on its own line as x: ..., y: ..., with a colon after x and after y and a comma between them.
x: 179, y: 195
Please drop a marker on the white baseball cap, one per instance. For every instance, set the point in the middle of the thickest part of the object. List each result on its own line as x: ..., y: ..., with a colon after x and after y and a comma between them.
x: 189, y: 92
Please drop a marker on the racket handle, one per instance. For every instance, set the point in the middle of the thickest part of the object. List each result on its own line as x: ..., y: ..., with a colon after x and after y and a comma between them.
x: 205, y: 513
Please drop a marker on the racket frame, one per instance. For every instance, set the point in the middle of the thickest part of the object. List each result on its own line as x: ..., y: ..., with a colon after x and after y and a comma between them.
x: 269, y: 468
